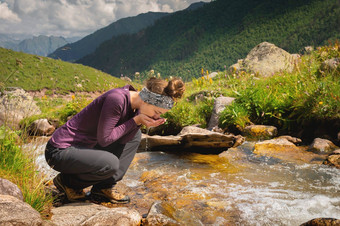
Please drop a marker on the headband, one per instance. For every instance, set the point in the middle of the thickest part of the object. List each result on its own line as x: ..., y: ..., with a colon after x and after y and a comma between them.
x: 156, y: 99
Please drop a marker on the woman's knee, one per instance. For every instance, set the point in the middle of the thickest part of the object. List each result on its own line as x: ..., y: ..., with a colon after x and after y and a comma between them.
x: 108, y: 165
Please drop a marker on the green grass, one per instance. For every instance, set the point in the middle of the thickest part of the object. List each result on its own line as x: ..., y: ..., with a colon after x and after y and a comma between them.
x: 33, y: 73
x: 286, y: 100
x: 19, y: 168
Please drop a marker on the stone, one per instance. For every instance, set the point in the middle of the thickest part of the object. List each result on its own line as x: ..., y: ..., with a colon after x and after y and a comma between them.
x: 287, y: 151
x: 125, y: 78
x: 149, y: 142
x: 41, y: 127
x: 157, y: 216
x: 260, y: 131
x: 203, y: 138
x: 322, y: 222
x: 219, y: 106
x: 121, y: 216
x: 330, y: 65
x: 308, y: 49
x: 322, y: 146
x: 333, y: 159
x: 16, y: 212
x: 75, y: 213
x: 15, y: 105
x: 290, y: 139
x: 8, y: 188
x: 191, y: 138
x: 266, y: 59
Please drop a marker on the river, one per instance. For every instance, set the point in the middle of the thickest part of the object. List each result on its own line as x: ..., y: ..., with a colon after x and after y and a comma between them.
x: 234, y: 188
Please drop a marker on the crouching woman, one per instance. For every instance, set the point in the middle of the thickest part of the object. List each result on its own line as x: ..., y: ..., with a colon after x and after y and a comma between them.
x: 95, y: 148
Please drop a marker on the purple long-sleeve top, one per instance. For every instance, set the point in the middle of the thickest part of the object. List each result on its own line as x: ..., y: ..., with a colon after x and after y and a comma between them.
x: 108, y: 119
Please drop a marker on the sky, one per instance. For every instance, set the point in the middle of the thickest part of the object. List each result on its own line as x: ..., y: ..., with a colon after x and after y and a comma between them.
x: 74, y: 18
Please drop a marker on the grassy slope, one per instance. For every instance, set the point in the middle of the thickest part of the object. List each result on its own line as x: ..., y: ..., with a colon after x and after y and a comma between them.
x: 33, y: 73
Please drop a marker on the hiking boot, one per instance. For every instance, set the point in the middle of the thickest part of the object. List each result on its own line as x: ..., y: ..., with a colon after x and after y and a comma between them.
x: 72, y: 194
x: 111, y: 194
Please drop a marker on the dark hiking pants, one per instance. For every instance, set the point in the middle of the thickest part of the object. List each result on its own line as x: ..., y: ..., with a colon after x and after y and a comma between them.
x: 102, y: 167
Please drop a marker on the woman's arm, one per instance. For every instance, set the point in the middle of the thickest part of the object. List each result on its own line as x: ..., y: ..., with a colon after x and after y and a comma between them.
x: 112, y: 109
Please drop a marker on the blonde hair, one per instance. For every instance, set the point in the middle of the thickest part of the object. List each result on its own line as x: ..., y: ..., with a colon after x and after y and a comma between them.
x: 174, y: 88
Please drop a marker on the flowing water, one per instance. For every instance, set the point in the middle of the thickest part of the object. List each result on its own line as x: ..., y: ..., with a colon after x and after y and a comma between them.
x: 238, y: 189
x: 234, y: 188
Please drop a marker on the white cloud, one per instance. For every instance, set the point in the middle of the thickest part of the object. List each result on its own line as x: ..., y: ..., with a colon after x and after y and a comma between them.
x: 75, y: 17
x: 7, y: 14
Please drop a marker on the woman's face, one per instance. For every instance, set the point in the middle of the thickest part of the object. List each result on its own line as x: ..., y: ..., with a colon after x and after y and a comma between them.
x: 151, y: 110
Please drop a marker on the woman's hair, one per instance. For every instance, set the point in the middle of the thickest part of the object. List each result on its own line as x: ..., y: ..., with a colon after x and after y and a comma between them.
x: 174, y: 88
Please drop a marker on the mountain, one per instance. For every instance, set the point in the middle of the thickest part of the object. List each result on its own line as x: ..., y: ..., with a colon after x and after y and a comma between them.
x: 41, y: 45
x: 8, y: 42
x: 87, y: 45
x: 217, y: 35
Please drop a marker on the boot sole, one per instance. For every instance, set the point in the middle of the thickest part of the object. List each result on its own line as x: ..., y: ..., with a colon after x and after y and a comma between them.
x: 100, y: 195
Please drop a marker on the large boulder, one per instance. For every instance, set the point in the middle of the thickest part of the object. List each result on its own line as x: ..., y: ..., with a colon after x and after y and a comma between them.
x: 266, y: 59
x: 15, y: 105
x: 8, y: 188
x: 16, y: 212
x: 219, y: 105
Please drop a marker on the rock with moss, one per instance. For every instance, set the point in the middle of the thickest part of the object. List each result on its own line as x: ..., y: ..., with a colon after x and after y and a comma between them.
x: 287, y: 151
x: 260, y: 131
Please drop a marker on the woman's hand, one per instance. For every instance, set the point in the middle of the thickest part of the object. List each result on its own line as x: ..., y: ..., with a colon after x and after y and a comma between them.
x: 148, y: 121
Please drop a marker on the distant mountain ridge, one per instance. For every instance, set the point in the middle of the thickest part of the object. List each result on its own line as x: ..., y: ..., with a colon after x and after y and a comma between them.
x: 216, y: 35
x: 74, y: 51
x: 38, y: 45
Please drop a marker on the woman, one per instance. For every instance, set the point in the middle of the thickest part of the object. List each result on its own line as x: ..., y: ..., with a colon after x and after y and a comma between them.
x: 97, y: 145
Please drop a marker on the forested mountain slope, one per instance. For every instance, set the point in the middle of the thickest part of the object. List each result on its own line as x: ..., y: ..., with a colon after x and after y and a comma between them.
x: 217, y: 35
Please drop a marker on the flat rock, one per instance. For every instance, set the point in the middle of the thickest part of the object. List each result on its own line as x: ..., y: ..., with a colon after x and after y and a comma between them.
x: 120, y: 216
x: 287, y: 151
x: 193, y: 138
x: 75, y: 213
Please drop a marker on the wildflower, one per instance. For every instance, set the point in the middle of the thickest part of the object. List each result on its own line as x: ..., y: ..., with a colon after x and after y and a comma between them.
x: 267, y: 87
x: 73, y: 97
x: 321, y: 103
x: 210, y: 81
